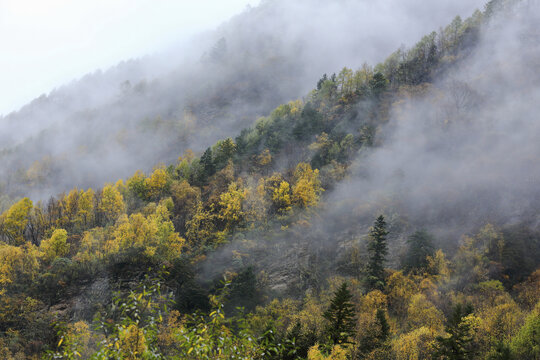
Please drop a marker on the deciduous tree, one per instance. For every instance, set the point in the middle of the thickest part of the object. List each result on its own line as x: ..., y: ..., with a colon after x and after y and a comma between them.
x: 13, y: 221
x: 55, y: 246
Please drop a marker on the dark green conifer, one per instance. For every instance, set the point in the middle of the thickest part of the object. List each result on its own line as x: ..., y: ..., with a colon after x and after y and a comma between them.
x: 377, y: 249
x: 420, y: 247
x: 378, y: 84
x: 207, y: 163
x: 341, y: 316
x: 376, y: 336
x: 382, y: 322
x: 458, y: 345
x: 321, y: 81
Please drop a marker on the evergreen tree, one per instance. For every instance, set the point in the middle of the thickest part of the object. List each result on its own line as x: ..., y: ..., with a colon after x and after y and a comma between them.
x: 433, y: 56
x: 219, y: 51
x: 376, y: 336
x: 243, y: 291
x: 492, y: 7
x: 382, y: 322
x: 207, y: 164
x: 341, y: 316
x: 377, y: 252
x: 321, y: 81
x: 420, y: 247
x: 457, y: 346
x: 297, y: 342
x: 500, y: 351
x: 222, y: 152
x: 378, y: 84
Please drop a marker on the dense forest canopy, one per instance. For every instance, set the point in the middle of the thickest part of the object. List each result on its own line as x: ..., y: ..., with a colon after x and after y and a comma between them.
x: 388, y: 213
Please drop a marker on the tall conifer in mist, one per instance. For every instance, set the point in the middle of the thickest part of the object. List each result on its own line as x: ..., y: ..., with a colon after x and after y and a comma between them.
x: 377, y: 249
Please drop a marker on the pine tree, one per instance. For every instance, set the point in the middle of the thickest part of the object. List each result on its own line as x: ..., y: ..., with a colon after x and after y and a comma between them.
x: 341, y: 316
x: 377, y: 252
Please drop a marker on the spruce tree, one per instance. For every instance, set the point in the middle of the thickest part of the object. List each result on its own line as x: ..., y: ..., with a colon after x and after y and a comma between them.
x: 208, y: 163
x: 377, y: 249
x: 321, y: 81
x: 207, y: 166
x: 380, y: 317
x: 457, y: 346
x: 341, y: 316
x: 375, y: 336
x: 420, y: 247
x: 378, y: 84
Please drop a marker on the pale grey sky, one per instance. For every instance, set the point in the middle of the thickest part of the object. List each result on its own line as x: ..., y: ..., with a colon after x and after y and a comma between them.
x: 45, y: 44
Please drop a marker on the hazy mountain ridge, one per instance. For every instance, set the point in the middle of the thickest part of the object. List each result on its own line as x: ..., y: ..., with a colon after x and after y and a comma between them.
x: 267, y: 58
x: 436, y: 144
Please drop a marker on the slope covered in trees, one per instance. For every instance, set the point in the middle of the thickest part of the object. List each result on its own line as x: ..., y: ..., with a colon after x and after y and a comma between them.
x: 110, y: 123
x: 300, y: 238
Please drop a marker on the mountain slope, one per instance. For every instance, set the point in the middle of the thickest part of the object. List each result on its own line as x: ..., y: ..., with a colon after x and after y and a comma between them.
x: 439, y: 139
x: 137, y: 114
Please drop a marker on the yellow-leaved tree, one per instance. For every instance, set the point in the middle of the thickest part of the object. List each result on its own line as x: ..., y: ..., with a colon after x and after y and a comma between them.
x: 337, y: 353
x: 415, y: 345
x: 439, y: 267
x: 85, y: 211
x: 154, y: 234
x: 17, y: 262
x: 263, y: 161
x: 400, y: 288
x: 422, y: 313
x: 231, y: 206
x: 92, y: 246
x: 168, y: 242
x: 134, y: 231
x: 13, y: 221
x: 55, y: 246
x: 307, y: 187
x: 70, y: 205
x: 201, y: 229
x: 498, y: 324
x: 111, y: 204
x: 78, y: 209
x: 185, y: 198
x: 137, y: 184
x: 132, y: 342
x: 157, y: 183
x: 281, y: 197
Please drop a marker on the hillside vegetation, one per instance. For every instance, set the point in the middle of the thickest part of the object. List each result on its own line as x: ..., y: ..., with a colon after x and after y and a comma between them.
x: 375, y: 218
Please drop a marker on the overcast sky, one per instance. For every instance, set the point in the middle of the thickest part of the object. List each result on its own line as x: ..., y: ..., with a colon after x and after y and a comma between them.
x: 47, y: 43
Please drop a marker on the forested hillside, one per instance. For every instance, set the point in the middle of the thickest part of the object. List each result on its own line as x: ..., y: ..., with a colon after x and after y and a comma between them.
x: 146, y: 111
x: 389, y: 213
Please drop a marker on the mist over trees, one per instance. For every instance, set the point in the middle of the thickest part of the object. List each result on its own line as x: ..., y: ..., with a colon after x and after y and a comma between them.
x: 385, y: 211
x: 145, y: 111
